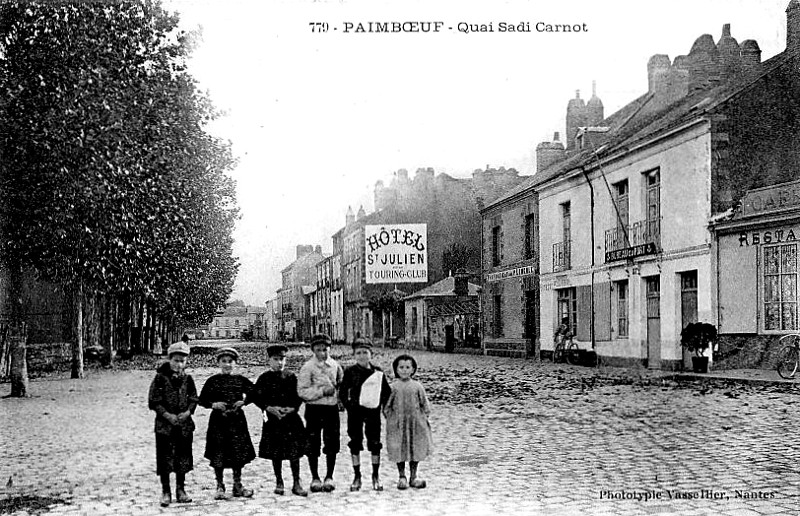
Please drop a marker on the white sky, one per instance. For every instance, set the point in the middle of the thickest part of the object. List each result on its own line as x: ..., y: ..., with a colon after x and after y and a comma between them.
x: 316, y: 119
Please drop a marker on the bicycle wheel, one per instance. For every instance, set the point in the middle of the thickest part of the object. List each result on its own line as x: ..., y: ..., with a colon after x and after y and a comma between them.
x: 558, y: 352
x: 788, y: 361
x: 572, y: 354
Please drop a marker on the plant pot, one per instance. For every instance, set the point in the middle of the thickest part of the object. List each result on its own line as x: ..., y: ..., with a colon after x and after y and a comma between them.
x: 700, y: 364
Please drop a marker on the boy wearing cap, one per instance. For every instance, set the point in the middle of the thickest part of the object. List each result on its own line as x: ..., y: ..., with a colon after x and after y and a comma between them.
x: 228, y: 443
x: 316, y: 384
x: 363, y: 392
x: 283, y: 436
x: 173, y: 397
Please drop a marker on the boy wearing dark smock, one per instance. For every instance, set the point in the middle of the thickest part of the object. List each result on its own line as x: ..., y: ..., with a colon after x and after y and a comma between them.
x: 173, y: 397
x: 283, y: 436
x: 363, y: 392
x: 228, y: 443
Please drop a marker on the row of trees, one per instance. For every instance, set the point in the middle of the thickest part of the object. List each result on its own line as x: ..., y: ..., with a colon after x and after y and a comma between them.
x: 111, y: 186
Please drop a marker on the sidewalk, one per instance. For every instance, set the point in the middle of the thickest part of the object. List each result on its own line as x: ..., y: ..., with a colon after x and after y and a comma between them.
x: 762, y: 377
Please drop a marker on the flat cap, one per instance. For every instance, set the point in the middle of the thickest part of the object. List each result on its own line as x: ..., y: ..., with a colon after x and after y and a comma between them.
x: 228, y: 352
x: 180, y: 348
x: 276, y: 349
x: 362, y: 343
x: 320, y: 338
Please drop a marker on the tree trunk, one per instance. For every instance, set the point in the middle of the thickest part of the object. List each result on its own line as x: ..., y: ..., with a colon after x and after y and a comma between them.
x: 77, y: 348
x: 19, y: 362
x: 17, y: 334
x: 109, y: 309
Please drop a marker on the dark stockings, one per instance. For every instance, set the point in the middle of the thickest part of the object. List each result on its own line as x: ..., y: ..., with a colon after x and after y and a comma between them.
x: 218, y: 473
x: 401, y: 469
x: 313, y: 465
x: 165, y: 483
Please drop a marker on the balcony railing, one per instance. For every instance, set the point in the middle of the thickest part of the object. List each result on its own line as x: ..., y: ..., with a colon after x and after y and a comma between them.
x: 638, y: 233
x: 561, y: 255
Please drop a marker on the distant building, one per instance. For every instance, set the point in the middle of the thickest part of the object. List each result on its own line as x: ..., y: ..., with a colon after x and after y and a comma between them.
x: 229, y: 323
x: 301, y: 273
x: 449, y: 208
x: 444, y: 316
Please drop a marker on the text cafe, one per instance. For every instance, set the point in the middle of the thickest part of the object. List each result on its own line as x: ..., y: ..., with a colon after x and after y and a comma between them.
x: 757, y: 270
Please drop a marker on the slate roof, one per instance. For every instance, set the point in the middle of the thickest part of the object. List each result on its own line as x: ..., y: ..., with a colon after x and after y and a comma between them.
x: 445, y: 287
x: 628, y: 126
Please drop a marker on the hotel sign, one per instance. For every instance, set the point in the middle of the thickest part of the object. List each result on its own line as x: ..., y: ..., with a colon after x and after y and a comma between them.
x: 772, y: 198
x: 511, y: 273
x: 396, y: 253
x: 631, y: 252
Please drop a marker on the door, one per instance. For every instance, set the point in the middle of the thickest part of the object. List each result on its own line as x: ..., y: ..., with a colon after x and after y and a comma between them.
x: 449, y: 338
x: 653, y: 287
x: 688, y: 306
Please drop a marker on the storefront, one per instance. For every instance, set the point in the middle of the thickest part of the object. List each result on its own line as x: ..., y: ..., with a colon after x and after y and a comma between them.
x: 757, y: 275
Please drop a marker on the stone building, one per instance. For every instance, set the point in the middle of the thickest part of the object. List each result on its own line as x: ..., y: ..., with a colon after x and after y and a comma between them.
x: 294, y: 322
x: 449, y: 208
x: 229, y: 323
x: 444, y: 316
x: 627, y: 257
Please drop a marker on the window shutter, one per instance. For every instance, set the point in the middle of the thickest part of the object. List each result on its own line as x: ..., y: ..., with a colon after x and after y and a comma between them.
x: 584, y: 300
x: 602, y: 311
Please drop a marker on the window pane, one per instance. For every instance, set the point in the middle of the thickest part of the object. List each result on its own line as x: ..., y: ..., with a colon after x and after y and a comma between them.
x: 772, y: 316
x: 788, y: 287
x: 789, y: 258
x: 789, y: 316
x: 770, y: 260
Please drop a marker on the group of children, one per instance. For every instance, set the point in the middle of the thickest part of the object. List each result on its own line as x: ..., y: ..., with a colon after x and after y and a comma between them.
x: 361, y: 389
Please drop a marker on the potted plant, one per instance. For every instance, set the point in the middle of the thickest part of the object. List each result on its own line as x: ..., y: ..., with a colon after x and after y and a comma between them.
x: 697, y: 338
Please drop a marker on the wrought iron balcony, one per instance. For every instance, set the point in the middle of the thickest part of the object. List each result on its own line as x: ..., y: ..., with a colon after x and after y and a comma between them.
x: 561, y: 255
x: 644, y: 235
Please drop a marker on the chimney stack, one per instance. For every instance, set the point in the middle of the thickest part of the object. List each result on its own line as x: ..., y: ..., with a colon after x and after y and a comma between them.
x: 793, y: 25
x: 751, y: 57
x: 548, y: 153
x: 461, y: 281
x: 703, y: 64
x: 576, y: 117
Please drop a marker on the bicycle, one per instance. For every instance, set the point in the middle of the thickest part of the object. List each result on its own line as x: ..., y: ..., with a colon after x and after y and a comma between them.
x: 563, y: 350
x: 788, y: 356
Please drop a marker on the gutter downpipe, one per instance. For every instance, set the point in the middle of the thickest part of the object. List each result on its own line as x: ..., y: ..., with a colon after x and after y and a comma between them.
x: 591, y: 225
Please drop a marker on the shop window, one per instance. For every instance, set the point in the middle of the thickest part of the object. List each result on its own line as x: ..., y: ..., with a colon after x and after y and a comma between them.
x: 780, y: 287
x: 621, y: 288
x: 498, y: 316
x: 567, y: 308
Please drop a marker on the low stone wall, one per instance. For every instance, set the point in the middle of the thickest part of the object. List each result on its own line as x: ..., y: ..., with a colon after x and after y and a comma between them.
x: 506, y: 347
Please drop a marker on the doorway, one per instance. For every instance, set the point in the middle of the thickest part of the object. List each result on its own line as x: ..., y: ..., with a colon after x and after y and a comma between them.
x: 653, y: 290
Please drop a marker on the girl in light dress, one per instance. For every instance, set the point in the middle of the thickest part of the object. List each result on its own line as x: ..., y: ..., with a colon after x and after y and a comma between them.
x: 408, y: 431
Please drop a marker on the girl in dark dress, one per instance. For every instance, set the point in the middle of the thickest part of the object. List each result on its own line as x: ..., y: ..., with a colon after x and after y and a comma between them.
x: 283, y: 435
x: 228, y: 443
x: 173, y: 397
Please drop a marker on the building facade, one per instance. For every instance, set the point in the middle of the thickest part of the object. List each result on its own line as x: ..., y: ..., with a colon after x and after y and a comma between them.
x: 444, y: 316
x: 644, y: 235
x: 511, y: 274
x: 294, y: 316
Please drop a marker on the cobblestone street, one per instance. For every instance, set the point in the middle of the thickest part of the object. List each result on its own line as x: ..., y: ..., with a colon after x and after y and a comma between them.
x: 512, y: 437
